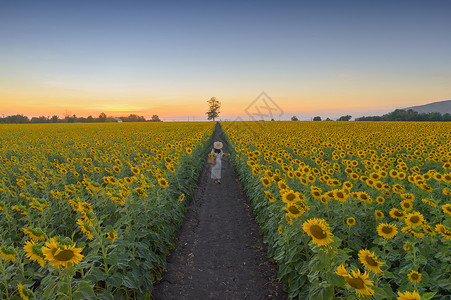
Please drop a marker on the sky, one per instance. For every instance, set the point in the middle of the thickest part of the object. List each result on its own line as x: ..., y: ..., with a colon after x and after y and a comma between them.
x: 326, y: 58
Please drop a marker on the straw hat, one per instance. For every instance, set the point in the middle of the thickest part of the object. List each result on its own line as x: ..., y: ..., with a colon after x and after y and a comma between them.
x: 217, y: 145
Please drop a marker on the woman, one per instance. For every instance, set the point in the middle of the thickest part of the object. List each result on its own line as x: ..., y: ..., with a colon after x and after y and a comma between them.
x: 216, y: 169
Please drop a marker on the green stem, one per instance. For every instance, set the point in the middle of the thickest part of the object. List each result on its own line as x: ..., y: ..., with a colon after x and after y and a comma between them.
x: 69, y: 286
x: 4, y: 278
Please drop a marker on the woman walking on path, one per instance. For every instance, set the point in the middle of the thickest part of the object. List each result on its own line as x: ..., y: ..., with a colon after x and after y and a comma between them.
x: 216, y: 169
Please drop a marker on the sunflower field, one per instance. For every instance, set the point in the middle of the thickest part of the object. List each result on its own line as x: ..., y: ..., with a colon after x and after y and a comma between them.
x: 91, y: 210
x: 351, y: 210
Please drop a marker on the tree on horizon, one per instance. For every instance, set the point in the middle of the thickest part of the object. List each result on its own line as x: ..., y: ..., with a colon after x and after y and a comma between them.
x: 213, y: 109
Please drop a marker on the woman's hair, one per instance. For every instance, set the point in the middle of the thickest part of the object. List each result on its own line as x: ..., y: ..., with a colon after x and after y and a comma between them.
x: 217, y: 150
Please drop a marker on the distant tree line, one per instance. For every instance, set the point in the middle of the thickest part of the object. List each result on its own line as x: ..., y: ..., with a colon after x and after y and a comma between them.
x: 408, y: 115
x: 18, y: 119
x: 318, y: 118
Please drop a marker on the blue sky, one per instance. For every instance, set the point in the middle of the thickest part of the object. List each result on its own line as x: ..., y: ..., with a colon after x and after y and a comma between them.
x: 313, y: 58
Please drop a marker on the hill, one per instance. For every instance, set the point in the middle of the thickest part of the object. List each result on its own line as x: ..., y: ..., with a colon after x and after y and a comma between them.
x: 442, y: 107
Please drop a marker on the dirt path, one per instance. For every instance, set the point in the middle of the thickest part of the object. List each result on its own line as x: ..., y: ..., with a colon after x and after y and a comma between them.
x: 219, y: 253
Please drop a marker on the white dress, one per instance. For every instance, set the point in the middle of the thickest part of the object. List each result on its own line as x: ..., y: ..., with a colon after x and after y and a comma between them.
x: 216, y: 169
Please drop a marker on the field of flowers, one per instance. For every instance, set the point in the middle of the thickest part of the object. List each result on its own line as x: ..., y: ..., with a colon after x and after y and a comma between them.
x: 91, y: 210
x: 351, y: 209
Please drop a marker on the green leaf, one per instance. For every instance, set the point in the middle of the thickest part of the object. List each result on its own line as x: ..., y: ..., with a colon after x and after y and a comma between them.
x: 379, y: 293
x: 84, y: 291
x: 323, y: 291
x: 428, y: 296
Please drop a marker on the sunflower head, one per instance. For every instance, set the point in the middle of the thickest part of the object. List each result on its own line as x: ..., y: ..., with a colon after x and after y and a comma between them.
x: 24, y: 292
x: 7, y: 253
x: 294, y: 210
x: 370, y: 261
x: 350, y: 221
x: 318, y: 230
x: 408, y: 296
x: 112, y: 235
x: 397, y: 214
x: 414, y: 276
x: 406, y: 205
x: 379, y: 214
x: 387, y: 231
x: 61, y: 251
x: 163, y: 182
x: 445, y: 232
x: 360, y: 283
x: 33, y: 251
x: 380, y: 200
x: 290, y: 196
x: 447, y: 209
x: 414, y: 219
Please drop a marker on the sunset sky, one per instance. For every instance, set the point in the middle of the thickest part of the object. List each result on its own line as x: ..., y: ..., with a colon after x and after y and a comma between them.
x: 326, y: 58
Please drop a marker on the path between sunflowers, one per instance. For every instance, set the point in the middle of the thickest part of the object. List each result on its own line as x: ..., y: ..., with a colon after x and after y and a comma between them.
x: 219, y: 252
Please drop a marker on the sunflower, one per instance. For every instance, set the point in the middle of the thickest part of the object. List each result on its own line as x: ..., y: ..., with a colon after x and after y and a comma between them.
x: 387, y: 231
x: 445, y: 232
x: 36, y: 234
x: 414, y: 219
x: 265, y: 181
x: 447, y: 209
x: 358, y: 281
x: 111, y: 235
x: 289, y: 219
x: 163, y: 182
x: 24, y: 293
x: 86, y: 228
x: 370, y: 261
x: 379, y: 214
x: 135, y: 170
x: 294, y: 211
x: 315, y: 191
x: 393, y: 173
x: 407, y: 247
x: 324, y: 199
x: 7, y: 253
x: 290, y: 197
x: 270, y: 197
x: 116, y: 169
x: 397, y: 214
x: 340, y: 195
x: 140, y: 191
x: 189, y: 150
x: 428, y: 229
x: 350, y: 221
x: 364, y: 197
x: 429, y: 202
x: 33, y: 251
x: 408, y: 196
x: 181, y: 197
x: 408, y: 296
x: 406, y: 205
x: 62, y: 252
x: 380, y: 200
x: 19, y: 208
x: 318, y: 230
x: 341, y: 271
x: 414, y: 276
x: 282, y: 185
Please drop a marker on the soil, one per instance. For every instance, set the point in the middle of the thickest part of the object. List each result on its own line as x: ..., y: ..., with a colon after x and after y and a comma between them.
x: 219, y: 253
